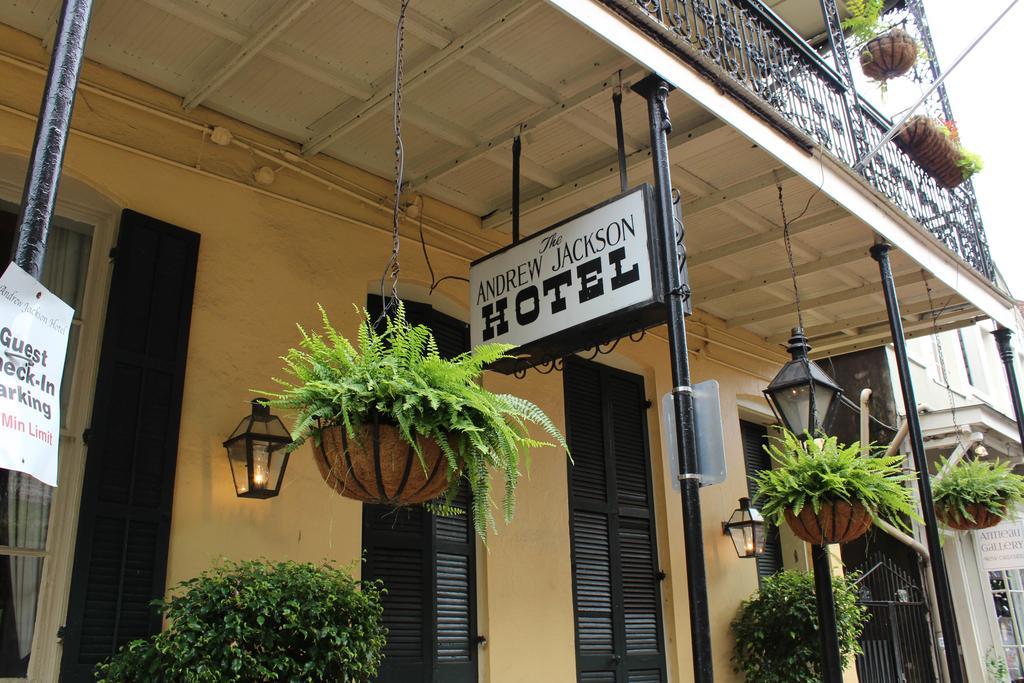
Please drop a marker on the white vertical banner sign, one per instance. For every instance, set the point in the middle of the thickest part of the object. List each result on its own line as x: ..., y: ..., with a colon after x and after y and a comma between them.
x: 34, y: 329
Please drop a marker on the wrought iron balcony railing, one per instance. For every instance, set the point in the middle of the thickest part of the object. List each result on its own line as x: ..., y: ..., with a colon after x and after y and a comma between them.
x: 748, y: 50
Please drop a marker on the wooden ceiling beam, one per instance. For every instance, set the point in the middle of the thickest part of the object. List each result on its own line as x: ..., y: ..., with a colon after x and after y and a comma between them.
x: 609, y: 168
x: 346, y: 116
x: 712, y: 254
x: 270, y: 30
x: 880, y: 335
x: 912, y: 311
x: 780, y: 275
x: 512, y: 77
x: 423, y: 27
x: 736, y: 191
x: 764, y: 314
x: 216, y: 24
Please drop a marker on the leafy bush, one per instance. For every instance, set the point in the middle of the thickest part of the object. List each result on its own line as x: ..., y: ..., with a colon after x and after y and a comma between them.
x: 256, y: 621
x: 399, y: 374
x: 776, y: 630
x: 989, y: 483
x: 864, y: 19
x: 815, y: 471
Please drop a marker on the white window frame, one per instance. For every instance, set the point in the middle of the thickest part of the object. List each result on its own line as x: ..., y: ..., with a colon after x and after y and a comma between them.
x: 79, y: 203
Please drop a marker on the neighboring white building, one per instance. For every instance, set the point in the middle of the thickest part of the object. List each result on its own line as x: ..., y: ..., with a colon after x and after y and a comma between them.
x: 974, y: 411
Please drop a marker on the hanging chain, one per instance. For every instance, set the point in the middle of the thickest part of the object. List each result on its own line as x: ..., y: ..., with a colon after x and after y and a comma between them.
x: 786, y: 240
x: 392, y: 269
x: 789, y: 254
x: 943, y: 370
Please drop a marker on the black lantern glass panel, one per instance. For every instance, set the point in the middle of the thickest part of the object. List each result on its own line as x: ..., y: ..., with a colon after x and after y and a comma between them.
x: 257, y: 453
x: 790, y: 393
x: 747, y: 530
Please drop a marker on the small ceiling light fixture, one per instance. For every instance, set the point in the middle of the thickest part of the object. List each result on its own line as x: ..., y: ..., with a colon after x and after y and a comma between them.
x: 747, y: 529
x: 803, y: 396
x: 257, y: 453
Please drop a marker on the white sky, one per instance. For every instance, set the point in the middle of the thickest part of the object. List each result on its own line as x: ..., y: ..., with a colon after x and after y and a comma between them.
x: 987, y: 95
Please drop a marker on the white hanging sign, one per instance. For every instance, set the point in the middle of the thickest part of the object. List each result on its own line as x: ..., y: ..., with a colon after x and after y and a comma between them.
x: 34, y: 329
x: 1001, y: 547
x: 588, y: 279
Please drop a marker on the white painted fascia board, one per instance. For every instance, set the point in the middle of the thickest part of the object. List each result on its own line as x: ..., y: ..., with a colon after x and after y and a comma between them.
x: 839, y: 183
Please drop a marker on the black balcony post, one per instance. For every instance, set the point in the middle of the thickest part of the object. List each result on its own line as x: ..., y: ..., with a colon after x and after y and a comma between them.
x: 943, y: 598
x: 828, y: 630
x: 656, y: 91
x: 841, y: 56
x: 1006, y: 354
x: 40, y: 194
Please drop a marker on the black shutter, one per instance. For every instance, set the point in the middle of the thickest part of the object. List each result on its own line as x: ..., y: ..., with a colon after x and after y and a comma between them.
x: 754, y: 438
x: 124, y: 522
x: 426, y: 562
x: 616, y: 589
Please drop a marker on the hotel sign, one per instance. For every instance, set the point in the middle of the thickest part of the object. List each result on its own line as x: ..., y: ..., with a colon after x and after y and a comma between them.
x: 1001, y: 547
x: 589, y: 279
x: 34, y: 329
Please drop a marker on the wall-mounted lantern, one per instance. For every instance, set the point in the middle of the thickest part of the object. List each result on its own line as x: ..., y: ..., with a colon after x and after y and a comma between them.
x: 257, y: 453
x: 747, y: 529
x: 799, y: 408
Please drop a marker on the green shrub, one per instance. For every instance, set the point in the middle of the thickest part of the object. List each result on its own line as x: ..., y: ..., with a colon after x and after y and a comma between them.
x: 399, y: 374
x: 257, y: 621
x: 989, y: 483
x: 812, y: 472
x: 776, y: 630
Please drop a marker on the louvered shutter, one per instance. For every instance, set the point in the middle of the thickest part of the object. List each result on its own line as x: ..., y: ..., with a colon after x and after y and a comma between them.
x: 426, y: 562
x: 396, y: 545
x: 754, y: 439
x: 124, y: 522
x: 615, y: 561
x: 455, y: 646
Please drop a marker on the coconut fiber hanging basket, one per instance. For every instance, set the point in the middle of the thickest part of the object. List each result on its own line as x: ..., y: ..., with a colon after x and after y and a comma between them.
x: 983, y: 517
x: 836, y: 522
x: 932, y: 150
x: 379, y: 466
x: 890, y: 55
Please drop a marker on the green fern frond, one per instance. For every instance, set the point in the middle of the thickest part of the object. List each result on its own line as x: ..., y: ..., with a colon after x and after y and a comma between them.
x: 398, y: 372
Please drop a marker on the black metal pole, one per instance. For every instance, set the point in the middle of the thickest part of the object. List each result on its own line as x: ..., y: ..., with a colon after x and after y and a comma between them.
x: 517, y: 153
x: 947, y: 618
x: 1006, y: 354
x: 828, y: 632
x: 656, y: 90
x: 51, y: 138
x: 620, y: 139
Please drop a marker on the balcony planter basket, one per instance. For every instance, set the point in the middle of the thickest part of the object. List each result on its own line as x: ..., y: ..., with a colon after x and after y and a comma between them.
x: 983, y: 517
x: 836, y: 522
x: 933, y: 151
x: 890, y: 55
x: 380, y: 467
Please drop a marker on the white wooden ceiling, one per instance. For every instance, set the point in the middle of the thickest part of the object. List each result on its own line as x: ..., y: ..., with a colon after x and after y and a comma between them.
x: 320, y: 73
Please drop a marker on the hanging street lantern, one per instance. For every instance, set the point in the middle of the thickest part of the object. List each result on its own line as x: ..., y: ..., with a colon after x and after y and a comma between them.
x: 746, y: 528
x: 257, y: 453
x: 803, y: 396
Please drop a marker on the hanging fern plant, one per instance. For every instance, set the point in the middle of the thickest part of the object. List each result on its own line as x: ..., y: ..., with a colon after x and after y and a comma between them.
x: 397, y: 378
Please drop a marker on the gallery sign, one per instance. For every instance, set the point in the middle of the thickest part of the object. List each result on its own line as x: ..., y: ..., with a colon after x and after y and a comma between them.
x: 34, y: 329
x: 1001, y: 547
x: 589, y: 279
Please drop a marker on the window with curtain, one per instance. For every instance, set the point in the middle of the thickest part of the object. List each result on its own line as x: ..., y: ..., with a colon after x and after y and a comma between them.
x: 24, y: 501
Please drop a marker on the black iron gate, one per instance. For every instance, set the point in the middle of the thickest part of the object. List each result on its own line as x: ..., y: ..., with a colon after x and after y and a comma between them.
x: 897, y: 641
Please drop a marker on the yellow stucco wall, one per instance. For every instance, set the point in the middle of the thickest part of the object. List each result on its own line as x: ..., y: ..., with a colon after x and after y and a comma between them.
x: 264, y: 262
